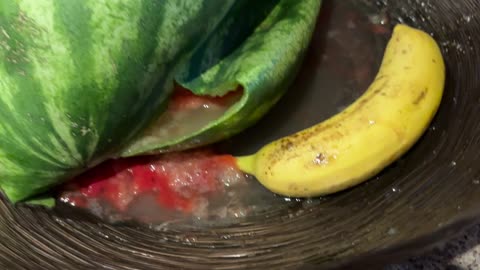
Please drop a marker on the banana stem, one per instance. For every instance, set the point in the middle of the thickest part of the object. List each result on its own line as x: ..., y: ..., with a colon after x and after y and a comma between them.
x: 246, y: 164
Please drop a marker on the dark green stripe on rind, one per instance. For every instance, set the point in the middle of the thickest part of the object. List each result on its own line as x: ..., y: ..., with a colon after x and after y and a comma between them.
x: 234, y: 29
x: 264, y: 65
x: 71, y: 20
x: 124, y: 45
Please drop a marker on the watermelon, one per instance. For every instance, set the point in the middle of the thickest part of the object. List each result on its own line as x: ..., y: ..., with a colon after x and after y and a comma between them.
x: 82, y: 79
x: 263, y: 65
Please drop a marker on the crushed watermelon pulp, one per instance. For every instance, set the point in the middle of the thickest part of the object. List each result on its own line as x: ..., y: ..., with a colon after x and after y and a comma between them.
x: 182, y: 182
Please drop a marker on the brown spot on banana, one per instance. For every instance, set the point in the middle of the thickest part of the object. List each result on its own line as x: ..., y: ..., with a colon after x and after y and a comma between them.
x: 320, y: 159
x: 421, y: 97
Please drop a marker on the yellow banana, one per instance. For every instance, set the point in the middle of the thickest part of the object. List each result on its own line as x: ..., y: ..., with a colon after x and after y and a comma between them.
x: 367, y: 136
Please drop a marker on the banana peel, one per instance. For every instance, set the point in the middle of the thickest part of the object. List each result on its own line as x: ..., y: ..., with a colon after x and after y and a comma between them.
x: 367, y: 136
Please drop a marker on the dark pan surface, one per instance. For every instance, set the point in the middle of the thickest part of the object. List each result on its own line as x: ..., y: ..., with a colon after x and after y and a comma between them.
x: 428, y: 196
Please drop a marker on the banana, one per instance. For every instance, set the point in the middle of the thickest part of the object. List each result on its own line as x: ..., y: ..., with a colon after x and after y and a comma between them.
x: 367, y: 136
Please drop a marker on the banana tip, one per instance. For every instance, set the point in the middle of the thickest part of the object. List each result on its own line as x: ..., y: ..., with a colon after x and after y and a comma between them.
x: 246, y: 163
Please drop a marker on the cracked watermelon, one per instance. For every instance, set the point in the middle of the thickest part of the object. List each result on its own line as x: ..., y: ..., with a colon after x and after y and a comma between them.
x: 81, y: 80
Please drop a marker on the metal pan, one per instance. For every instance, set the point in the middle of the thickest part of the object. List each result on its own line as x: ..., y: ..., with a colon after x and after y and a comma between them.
x: 426, y: 197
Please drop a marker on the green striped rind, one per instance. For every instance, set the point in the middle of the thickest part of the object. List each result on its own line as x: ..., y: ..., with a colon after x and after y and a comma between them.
x: 264, y: 64
x: 80, y: 78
